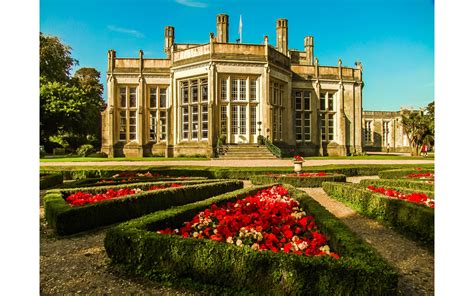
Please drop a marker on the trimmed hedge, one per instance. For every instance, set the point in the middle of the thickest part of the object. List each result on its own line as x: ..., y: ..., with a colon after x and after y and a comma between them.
x: 50, y: 180
x: 224, y: 172
x: 413, y: 220
x: 360, y: 271
x: 66, y: 219
x: 297, y: 181
x: 93, y: 182
x: 403, y: 183
x: 400, y: 173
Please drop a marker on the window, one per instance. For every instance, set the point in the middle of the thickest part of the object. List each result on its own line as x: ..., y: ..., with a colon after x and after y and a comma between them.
x: 204, y: 122
x: 224, y: 89
x: 123, y: 97
x: 386, y: 132
x: 275, y: 124
x: 330, y: 127
x: 153, y: 126
x: 157, y: 113
x: 194, y: 112
x: 253, y: 120
x: 195, y: 121
x: 243, y: 89
x: 223, y: 120
x: 327, y: 107
x: 234, y: 119
x: 133, y: 97
x: 368, y: 131
x: 162, y: 125
x: 123, y: 125
x: 162, y: 97
x: 303, y: 115
x: 243, y: 119
x: 253, y: 89
x: 132, y: 125
x: 307, y: 101
x: 280, y: 123
x: 203, y: 90
x: 234, y: 90
x: 127, y: 113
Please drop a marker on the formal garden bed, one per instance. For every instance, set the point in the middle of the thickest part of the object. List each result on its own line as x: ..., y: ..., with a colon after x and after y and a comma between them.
x: 306, y: 179
x: 123, y: 202
x: 48, y: 180
x: 309, y: 250
x: 409, y: 211
x: 73, y: 173
x: 399, y: 183
x: 413, y: 174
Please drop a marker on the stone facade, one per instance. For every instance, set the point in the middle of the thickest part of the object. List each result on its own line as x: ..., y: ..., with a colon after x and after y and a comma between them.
x: 181, y: 105
x: 384, y: 127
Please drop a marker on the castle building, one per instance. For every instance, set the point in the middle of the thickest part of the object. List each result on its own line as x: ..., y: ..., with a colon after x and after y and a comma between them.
x: 183, y: 104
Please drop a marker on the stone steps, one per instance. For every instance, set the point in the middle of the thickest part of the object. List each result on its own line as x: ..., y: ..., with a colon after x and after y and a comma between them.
x: 246, y: 151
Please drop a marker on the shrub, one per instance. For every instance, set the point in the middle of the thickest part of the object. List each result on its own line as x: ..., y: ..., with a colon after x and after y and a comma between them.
x: 50, y: 180
x: 66, y: 219
x: 403, y: 183
x: 297, y: 181
x: 360, y: 270
x: 85, y: 150
x: 413, y: 220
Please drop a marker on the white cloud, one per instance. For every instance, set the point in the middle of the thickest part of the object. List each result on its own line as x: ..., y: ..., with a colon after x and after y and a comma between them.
x: 132, y: 32
x: 191, y: 3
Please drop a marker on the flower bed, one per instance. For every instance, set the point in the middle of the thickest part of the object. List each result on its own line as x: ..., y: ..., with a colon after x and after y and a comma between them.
x: 268, y: 220
x: 404, y: 183
x: 411, y: 219
x: 359, y: 270
x: 298, y: 180
x: 429, y: 177
x: 404, y: 173
x: 415, y: 197
x: 67, y: 219
x: 50, y: 180
x: 81, y: 198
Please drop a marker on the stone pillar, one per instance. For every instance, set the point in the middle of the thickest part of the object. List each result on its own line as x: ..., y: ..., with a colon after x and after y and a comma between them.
x: 222, y: 28
x: 341, y: 129
x: 358, y: 111
x: 316, y: 129
x: 212, y: 135
x: 169, y: 40
x: 266, y: 116
x: 308, y: 48
x: 282, y: 36
x: 111, y: 114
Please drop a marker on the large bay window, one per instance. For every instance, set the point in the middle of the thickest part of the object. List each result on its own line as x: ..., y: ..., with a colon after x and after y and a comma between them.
x: 127, y: 111
x: 194, y: 112
x: 303, y: 113
x: 386, y: 132
x: 157, y: 97
x: 368, y: 131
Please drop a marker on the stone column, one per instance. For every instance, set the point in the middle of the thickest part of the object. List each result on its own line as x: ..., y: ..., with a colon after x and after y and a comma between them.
x: 315, y: 128
x: 111, y: 114
x: 267, y: 120
x: 212, y: 107
x: 341, y: 129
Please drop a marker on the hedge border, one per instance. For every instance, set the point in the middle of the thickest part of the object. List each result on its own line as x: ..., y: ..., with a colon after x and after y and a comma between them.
x: 50, y: 180
x: 400, y: 173
x: 65, y: 219
x: 297, y: 181
x: 223, y: 172
x: 360, y: 271
x: 416, y: 186
x: 92, y: 182
x: 412, y: 220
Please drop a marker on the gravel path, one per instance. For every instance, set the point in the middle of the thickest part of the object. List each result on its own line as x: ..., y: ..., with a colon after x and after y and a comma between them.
x: 357, y: 179
x: 415, y: 264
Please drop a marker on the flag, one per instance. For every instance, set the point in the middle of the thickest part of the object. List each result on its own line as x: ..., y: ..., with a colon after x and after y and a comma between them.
x: 240, y: 29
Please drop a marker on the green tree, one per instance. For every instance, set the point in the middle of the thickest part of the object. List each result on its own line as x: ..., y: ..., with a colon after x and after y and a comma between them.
x: 419, y: 128
x: 55, y: 59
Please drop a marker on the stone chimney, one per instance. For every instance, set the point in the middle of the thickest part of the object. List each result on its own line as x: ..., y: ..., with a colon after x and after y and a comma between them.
x: 169, y: 39
x: 282, y: 36
x: 308, y: 48
x: 222, y: 28
x: 110, y: 60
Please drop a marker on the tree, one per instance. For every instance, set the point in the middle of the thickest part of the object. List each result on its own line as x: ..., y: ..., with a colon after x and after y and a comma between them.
x: 55, y: 59
x: 69, y: 106
x: 419, y: 128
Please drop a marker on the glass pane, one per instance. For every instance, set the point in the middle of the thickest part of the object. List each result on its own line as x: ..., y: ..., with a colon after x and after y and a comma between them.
x: 194, y: 91
x: 123, y: 97
x: 184, y: 93
x: 234, y: 90
x: 243, y: 89
x: 224, y: 89
x: 243, y: 120
x: 253, y: 89
x: 152, y: 97
x: 307, y: 100
x: 133, y: 97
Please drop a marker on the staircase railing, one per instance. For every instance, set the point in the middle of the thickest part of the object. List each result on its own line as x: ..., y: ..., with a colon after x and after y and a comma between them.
x: 272, y: 148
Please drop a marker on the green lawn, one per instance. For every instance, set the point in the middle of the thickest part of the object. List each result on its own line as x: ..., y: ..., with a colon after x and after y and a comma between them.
x: 61, y: 158
x: 377, y: 156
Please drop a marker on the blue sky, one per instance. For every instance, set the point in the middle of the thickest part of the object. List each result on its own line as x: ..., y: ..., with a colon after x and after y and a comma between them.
x: 394, y: 39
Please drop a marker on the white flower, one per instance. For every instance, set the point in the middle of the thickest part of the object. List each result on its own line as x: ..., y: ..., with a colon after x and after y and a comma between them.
x: 255, y: 246
x: 229, y: 240
x: 238, y: 243
x: 325, y: 249
x: 195, y: 234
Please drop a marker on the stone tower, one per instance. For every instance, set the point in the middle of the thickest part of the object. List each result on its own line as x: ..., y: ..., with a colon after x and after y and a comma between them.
x: 169, y: 39
x: 282, y: 36
x: 222, y: 28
